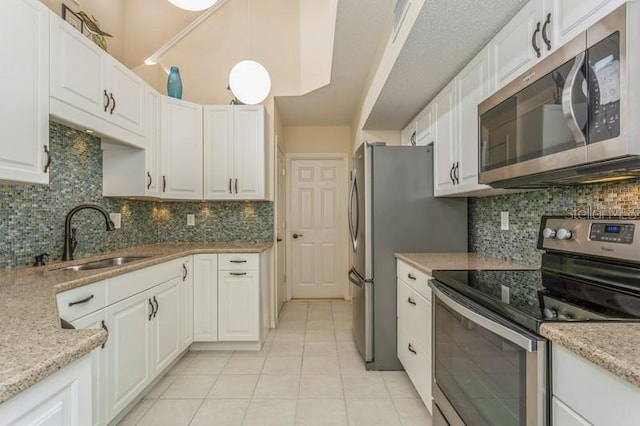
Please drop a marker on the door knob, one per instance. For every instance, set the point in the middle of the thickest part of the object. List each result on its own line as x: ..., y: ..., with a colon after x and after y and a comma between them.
x: 296, y: 236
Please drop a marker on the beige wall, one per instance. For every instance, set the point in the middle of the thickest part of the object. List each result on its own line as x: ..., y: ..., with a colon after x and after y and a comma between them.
x: 110, y: 14
x: 326, y: 139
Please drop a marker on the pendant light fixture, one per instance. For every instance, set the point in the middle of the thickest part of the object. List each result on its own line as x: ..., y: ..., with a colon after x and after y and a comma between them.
x: 249, y: 81
x: 193, y: 5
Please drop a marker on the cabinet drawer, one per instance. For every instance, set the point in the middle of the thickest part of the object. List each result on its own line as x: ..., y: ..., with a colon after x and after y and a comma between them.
x: 126, y: 285
x: 81, y: 301
x: 414, y: 315
x: 417, y: 365
x: 238, y: 262
x: 419, y: 281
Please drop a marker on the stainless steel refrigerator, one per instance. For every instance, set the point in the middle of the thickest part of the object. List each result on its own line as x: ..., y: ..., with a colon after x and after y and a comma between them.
x: 392, y: 209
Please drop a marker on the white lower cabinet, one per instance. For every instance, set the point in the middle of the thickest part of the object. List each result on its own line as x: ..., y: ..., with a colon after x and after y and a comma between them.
x: 586, y: 394
x: 414, y: 328
x: 186, y: 303
x: 165, y: 324
x: 238, y: 306
x: 62, y: 399
x: 205, y: 298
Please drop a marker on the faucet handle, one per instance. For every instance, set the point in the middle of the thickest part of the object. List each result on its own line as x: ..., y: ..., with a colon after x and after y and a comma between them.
x: 40, y: 260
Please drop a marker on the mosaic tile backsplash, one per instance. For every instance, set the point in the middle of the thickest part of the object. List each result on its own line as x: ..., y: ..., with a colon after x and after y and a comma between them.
x: 32, y: 216
x: 525, y: 209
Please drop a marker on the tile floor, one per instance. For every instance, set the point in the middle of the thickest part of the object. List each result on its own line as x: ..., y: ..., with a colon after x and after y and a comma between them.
x: 308, y: 373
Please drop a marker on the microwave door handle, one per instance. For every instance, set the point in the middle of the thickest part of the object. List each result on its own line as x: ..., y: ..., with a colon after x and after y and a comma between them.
x: 567, y: 101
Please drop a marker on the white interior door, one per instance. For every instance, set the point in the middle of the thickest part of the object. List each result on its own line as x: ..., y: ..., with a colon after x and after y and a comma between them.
x: 281, y: 199
x: 318, y: 228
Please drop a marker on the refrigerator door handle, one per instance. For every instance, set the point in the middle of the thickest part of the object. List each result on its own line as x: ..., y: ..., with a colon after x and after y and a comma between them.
x: 353, y: 229
x: 355, y: 279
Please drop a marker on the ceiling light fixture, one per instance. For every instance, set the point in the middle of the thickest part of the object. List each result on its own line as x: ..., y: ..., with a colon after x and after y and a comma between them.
x: 193, y: 5
x: 249, y: 81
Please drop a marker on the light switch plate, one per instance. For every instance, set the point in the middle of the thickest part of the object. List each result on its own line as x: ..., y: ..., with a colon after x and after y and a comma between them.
x: 504, y: 221
x: 191, y: 220
x: 116, y: 218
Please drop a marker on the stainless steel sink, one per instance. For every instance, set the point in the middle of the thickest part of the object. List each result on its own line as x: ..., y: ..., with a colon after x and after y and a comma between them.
x: 104, y: 263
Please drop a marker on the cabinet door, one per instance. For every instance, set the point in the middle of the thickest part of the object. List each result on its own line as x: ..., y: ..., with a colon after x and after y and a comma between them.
x: 152, y: 147
x: 565, y: 416
x: 97, y: 320
x: 166, y: 325
x: 127, y: 95
x: 205, y: 298
x: 444, y: 159
x: 424, y: 123
x: 248, y: 156
x: 186, y: 303
x: 238, y: 306
x: 128, y: 351
x: 512, y: 49
x: 471, y: 88
x: 181, y: 149
x: 76, y: 69
x: 409, y: 133
x: 218, y: 153
x: 24, y: 45
x: 571, y: 17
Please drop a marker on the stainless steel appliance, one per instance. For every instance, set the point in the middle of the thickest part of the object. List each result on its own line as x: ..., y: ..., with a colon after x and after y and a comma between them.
x: 392, y: 209
x: 489, y: 362
x: 571, y: 117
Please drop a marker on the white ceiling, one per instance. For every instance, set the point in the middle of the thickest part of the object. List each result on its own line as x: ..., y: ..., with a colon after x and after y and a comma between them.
x: 359, y: 28
x: 446, y: 35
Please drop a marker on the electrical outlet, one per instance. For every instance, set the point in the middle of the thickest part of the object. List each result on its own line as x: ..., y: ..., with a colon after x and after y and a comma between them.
x: 116, y: 218
x: 504, y: 221
x: 506, y: 295
x: 191, y: 220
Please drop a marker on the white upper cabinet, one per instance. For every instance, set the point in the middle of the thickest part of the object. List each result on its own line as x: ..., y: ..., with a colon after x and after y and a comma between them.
x: 409, y: 134
x: 445, y: 141
x: 424, y: 126
x: 519, y: 45
x: 234, y: 152
x: 24, y: 126
x: 181, y: 150
x: 571, y: 17
x: 91, y: 90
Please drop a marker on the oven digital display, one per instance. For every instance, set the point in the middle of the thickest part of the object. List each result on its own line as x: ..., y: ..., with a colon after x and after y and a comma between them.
x: 612, y: 229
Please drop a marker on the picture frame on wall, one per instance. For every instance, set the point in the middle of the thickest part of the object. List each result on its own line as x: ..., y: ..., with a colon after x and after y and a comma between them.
x: 72, y: 18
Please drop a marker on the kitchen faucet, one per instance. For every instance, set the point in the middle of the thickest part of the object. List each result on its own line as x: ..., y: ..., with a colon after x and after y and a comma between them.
x: 70, y: 241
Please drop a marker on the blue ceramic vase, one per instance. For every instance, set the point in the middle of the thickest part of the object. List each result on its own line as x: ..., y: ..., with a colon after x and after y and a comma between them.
x: 174, y: 83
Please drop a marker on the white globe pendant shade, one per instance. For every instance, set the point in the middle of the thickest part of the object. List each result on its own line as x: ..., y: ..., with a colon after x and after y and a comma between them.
x: 193, y: 5
x: 249, y: 82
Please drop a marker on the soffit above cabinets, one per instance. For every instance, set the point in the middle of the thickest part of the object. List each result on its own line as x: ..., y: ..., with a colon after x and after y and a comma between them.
x: 446, y: 35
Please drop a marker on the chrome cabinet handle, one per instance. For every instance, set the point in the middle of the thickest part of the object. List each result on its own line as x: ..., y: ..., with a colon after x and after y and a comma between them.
x: 164, y: 183
x: 157, y: 307
x: 545, y: 37
x: 411, y: 301
x: 413, y: 351
x: 106, y: 98
x: 150, y: 180
x: 80, y: 302
x: 153, y: 309
x: 567, y: 101
x: 237, y: 274
x: 46, y: 151
x: 533, y: 40
x: 114, y: 104
x: 411, y: 276
x: 104, y: 327
x: 236, y: 186
x: 184, y: 272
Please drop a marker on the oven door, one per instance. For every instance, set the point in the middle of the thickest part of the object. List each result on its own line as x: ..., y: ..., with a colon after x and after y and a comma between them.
x: 487, y: 371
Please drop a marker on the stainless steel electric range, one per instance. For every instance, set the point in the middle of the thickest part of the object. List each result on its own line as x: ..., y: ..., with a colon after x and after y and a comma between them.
x: 490, y: 363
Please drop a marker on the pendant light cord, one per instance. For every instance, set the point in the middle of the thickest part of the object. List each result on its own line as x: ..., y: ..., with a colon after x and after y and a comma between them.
x: 249, y: 26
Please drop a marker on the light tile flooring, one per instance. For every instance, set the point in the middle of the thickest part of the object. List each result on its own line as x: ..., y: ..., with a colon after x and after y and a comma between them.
x: 308, y: 373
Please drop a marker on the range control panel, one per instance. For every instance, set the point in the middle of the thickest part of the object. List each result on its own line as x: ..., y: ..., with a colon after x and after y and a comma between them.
x: 612, y: 238
x: 612, y: 232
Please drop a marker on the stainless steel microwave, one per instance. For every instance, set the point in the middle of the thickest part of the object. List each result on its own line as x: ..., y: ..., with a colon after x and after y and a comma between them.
x: 574, y: 117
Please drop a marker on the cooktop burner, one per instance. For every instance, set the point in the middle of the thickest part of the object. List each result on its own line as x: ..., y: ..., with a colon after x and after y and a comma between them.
x: 590, y: 272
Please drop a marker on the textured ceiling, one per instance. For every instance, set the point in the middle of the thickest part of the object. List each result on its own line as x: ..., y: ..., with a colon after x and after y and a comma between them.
x: 446, y: 35
x: 359, y: 28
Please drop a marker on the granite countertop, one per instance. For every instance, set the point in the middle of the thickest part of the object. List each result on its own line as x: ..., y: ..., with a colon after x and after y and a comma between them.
x: 32, y: 343
x: 612, y: 346
x: 429, y: 262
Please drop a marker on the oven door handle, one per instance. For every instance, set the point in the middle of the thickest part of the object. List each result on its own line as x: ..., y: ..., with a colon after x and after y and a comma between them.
x: 526, y: 341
